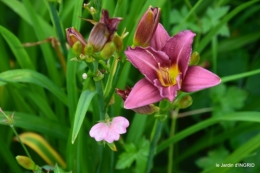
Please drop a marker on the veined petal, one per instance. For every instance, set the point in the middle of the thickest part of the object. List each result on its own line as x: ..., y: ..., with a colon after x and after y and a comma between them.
x: 147, y: 60
x: 198, y: 78
x: 119, y: 124
x: 179, y: 49
x: 143, y: 93
x: 99, y: 131
x: 159, y: 38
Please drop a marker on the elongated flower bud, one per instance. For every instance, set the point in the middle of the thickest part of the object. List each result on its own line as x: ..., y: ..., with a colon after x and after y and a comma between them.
x: 103, y: 31
x: 73, y: 36
x: 108, y: 50
x: 98, y: 36
x: 146, y: 27
x: 27, y: 163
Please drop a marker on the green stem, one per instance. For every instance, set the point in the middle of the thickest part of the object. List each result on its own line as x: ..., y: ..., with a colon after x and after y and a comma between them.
x: 19, y: 139
x: 239, y: 76
x: 111, y: 76
x: 155, y: 139
x: 214, y: 42
x: 171, y: 148
x: 101, y: 99
x: 189, y: 14
x: 101, y: 148
x: 198, y: 111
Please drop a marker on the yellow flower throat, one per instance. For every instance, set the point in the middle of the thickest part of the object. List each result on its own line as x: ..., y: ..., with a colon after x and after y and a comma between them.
x: 167, y: 75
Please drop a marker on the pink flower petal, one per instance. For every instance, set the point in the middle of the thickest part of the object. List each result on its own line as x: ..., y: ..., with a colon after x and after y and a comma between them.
x: 159, y: 38
x: 146, y: 60
x: 168, y: 92
x: 143, y: 93
x: 99, y: 131
x: 119, y: 124
x: 112, y: 136
x: 198, y: 78
x: 179, y: 48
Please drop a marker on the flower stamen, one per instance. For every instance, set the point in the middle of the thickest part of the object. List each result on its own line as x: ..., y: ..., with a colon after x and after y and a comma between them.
x: 167, y: 76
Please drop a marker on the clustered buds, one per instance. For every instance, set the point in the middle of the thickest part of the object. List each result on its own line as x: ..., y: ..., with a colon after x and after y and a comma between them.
x: 102, y: 38
x: 146, y: 27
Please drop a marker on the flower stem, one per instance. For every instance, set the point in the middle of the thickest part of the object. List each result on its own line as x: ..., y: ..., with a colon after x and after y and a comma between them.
x: 198, y: 111
x: 155, y: 139
x: 171, y: 148
x: 101, y: 99
x: 19, y: 139
x: 10, y: 122
x: 111, y: 77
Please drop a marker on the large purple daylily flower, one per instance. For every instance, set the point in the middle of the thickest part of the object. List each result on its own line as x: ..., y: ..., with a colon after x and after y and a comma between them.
x: 165, y: 67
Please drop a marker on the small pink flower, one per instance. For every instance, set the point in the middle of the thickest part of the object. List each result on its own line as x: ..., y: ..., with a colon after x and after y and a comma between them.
x: 109, y: 131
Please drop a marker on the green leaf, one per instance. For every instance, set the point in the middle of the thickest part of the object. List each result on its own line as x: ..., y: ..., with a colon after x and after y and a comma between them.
x: 242, y: 152
x: 204, y: 42
x: 19, y: 8
x: 82, y: 107
x: 41, y: 34
x: 57, y: 169
x: 136, y: 130
x: 133, y: 153
x: 142, y: 155
x: 215, y: 156
x: 17, y: 48
x: 127, y: 158
x: 8, y: 157
x: 29, y: 76
x: 38, y: 124
x: 229, y: 99
x: 39, y: 144
x: 235, y: 116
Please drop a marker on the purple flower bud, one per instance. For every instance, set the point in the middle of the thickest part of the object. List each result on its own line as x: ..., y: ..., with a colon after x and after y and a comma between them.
x: 73, y: 36
x: 146, y: 27
x: 103, y: 31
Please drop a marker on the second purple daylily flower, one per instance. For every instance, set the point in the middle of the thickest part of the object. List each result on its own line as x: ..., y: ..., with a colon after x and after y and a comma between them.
x: 165, y: 67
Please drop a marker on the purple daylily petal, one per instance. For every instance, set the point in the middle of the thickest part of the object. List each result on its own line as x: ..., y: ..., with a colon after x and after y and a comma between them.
x: 143, y: 93
x: 159, y: 38
x: 179, y: 48
x: 198, y: 78
x: 169, y: 92
x: 146, y: 60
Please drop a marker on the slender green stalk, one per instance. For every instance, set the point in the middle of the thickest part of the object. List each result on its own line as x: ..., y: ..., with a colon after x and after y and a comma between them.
x: 198, y: 111
x: 111, y: 77
x: 19, y: 139
x: 171, y: 148
x: 101, y: 99
x: 189, y: 14
x: 155, y: 139
x: 100, y: 154
x: 10, y: 121
x: 214, y: 42
x: 239, y: 76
